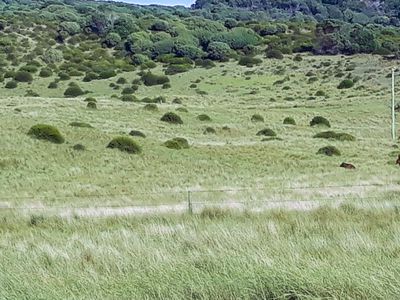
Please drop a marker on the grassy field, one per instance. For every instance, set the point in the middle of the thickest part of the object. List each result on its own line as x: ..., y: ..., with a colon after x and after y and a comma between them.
x: 342, y: 253
x: 38, y: 173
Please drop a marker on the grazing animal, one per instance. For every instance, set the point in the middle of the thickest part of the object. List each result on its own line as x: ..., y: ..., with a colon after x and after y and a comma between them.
x: 349, y: 166
x: 398, y: 160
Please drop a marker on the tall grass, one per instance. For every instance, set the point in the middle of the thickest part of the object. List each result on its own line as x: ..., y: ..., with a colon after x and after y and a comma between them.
x: 343, y: 253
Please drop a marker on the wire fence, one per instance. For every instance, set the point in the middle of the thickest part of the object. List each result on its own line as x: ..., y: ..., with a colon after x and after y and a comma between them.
x: 194, y: 200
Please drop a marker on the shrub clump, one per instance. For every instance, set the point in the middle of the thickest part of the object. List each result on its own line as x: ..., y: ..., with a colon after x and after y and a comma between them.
x: 129, y: 98
x: 335, y: 136
x: 289, y: 121
x: 73, y: 91
x: 249, y: 61
x: 273, y: 53
x: 209, y: 130
x: 257, y: 118
x: 137, y: 133
x: 79, y: 147
x: 80, y: 124
x: 266, y: 132
x: 52, y: 85
x: 125, y: 144
x: 150, y: 79
x: 177, y: 143
x: 151, y: 107
x: 91, y: 105
x: 46, y: 132
x: 171, y: 118
x: 329, y: 151
x: 345, y: 84
x: 23, y: 76
x: 45, y: 72
x: 318, y: 120
x: 203, y: 118
x: 11, y: 84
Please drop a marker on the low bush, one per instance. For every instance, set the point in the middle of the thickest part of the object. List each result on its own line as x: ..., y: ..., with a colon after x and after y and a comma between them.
x: 137, y: 133
x: 177, y: 101
x: 129, y: 98
x: 80, y: 124
x: 127, y: 91
x: 203, y: 118
x: 182, y: 109
x: 335, y: 136
x: 46, y: 132
x: 318, y: 120
x: 121, y: 80
x: 171, y: 118
x: 90, y: 99
x: 320, y: 93
x: 345, y: 84
x: 150, y: 79
x: 52, y: 85
x: 73, y: 91
x: 23, y: 76
x: 329, y: 151
x: 79, y: 147
x: 257, y: 118
x: 209, y: 130
x: 125, y: 144
x: 266, y: 132
x: 91, y: 105
x: 12, y: 84
x: 90, y: 77
x: 63, y: 76
x: 289, y: 121
x: 249, y: 61
x: 151, y: 107
x: 204, y: 63
x: 166, y: 86
x: 176, y: 69
x: 31, y: 93
x: 45, y: 72
x: 107, y: 74
x: 177, y: 143
x: 273, y: 53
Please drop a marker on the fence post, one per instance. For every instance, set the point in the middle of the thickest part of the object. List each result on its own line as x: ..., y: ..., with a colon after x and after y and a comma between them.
x: 189, y: 200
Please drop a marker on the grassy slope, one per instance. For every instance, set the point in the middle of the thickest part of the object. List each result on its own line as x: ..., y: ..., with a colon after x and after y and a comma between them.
x: 43, y: 172
x: 335, y: 254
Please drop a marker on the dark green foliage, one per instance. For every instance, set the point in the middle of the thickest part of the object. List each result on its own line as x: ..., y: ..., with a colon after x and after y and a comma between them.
x: 335, y: 136
x: 121, y: 80
x: 257, y: 118
x: 90, y: 76
x: 249, y: 61
x: 90, y: 99
x: 266, y: 132
x: 52, y: 85
x: 45, y: 72
x: 31, y: 93
x: 329, y: 151
x: 151, y: 107
x: 73, y: 91
x: 289, y: 121
x: 64, y: 76
x: 345, y: 84
x: 182, y: 109
x: 209, y: 130
x: 23, y: 76
x: 107, y: 74
x: 129, y: 98
x: 318, y: 120
x: 177, y: 143
x: 11, y: 84
x: 176, y: 69
x: 91, y: 105
x: 166, y: 86
x: 171, y: 118
x: 273, y: 53
x: 177, y: 101
x: 320, y: 93
x: 46, y: 132
x: 204, y: 63
x: 127, y: 91
x: 80, y: 124
x: 204, y: 118
x: 137, y: 133
x: 125, y: 144
x: 150, y: 79
x: 79, y: 147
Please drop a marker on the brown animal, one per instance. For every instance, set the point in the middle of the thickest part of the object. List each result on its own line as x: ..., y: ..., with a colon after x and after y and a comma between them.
x: 348, y: 166
x: 398, y: 160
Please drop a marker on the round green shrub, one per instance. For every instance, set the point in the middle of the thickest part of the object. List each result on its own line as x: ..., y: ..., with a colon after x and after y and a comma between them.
x: 90, y: 77
x: 129, y: 98
x: 73, y: 91
x: 203, y: 118
x: 12, y: 84
x: 80, y: 124
x: 151, y: 107
x: 318, y: 120
x: 177, y: 143
x: 209, y: 130
x: 320, y: 94
x: 182, y: 109
x: 107, y: 74
x: 46, y: 132
x: 266, y: 132
x: 127, y: 91
x: 257, y: 118
x: 23, y: 76
x: 150, y: 79
x: 329, y: 151
x: 125, y: 144
x: 52, y: 85
x: 345, y: 84
x: 275, y: 54
x: 137, y: 133
x: 91, y: 105
x: 171, y: 118
x: 289, y: 121
x: 45, y: 72
x: 166, y: 86
x: 63, y: 76
x: 335, y: 136
x: 121, y: 80
x: 177, y: 101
